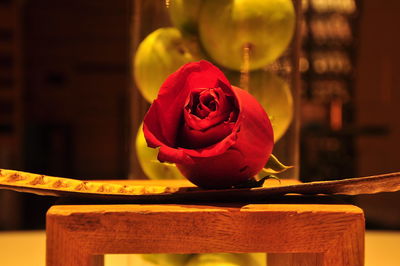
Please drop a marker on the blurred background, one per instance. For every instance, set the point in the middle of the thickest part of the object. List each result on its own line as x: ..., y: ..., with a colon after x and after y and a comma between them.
x: 69, y: 107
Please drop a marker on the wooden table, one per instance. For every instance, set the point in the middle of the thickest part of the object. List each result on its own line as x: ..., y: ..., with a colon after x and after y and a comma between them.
x: 291, y: 234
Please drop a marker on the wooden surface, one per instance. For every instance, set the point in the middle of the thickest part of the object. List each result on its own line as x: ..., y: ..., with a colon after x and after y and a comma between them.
x: 381, y: 248
x: 292, y: 234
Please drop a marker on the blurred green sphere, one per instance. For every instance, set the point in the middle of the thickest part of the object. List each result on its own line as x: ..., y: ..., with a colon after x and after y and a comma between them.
x: 184, y: 15
x: 147, y: 158
x: 266, y: 27
x: 160, y: 54
x: 274, y: 94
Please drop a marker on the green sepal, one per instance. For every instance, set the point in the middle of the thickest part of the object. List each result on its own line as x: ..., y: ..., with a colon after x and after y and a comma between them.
x: 256, y: 182
x: 273, y: 166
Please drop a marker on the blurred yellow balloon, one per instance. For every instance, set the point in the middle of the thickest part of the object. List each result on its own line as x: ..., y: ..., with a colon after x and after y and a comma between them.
x: 160, y: 54
x: 224, y: 259
x: 184, y: 15
x: 147, y: 158
x: 274, y: 94
x: 167, y: 259
x: 227, y: 26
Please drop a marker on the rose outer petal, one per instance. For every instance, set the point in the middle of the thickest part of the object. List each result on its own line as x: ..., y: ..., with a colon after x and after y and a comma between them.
x: 167, y: 154
x: 194, y: 139
x: 221, y: 171
x: 256, y: 138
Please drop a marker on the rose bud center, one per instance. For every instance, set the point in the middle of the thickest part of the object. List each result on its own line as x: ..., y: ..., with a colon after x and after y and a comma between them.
x: 203, y: 103
x: 209, y: 116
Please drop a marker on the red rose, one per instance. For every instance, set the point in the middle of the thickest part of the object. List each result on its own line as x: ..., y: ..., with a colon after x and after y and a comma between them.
x: 218, y: 135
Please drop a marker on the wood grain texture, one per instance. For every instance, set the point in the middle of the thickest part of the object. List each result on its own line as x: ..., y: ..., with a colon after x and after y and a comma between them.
x: 295, y: 259
x: 329, y: 235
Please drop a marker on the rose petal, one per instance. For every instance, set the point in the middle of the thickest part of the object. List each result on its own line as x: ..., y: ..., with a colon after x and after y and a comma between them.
x: 254, y: 128
x: 222, y: 112
x: 167, y: 154
x: 255, y: 138
x: 163, y: 119
x: 194, y: 139
x: 216, y: 149
x: 252, y: 138
x: 221, y: 171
